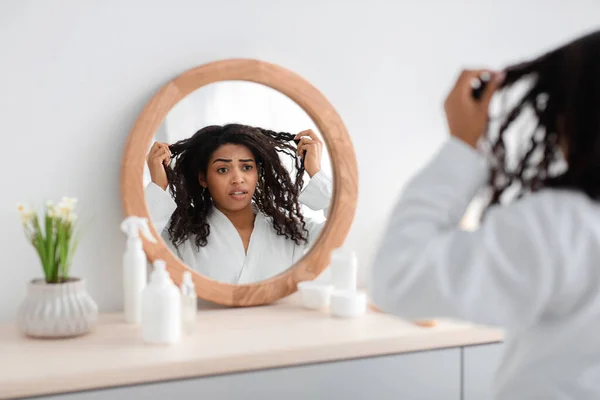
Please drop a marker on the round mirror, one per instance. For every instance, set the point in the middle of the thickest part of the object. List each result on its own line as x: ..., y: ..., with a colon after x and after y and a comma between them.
x: 247, y: 177
x: 238, y: 182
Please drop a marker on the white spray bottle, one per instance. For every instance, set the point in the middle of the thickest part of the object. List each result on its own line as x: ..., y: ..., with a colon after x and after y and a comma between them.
x: 135, y: 274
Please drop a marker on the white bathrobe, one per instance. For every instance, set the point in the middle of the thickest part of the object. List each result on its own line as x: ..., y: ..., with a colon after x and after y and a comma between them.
x: 224, y: 258
x: 532, y: 267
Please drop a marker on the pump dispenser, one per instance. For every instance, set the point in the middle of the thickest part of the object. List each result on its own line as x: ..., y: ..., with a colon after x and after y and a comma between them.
x: 134, y: 266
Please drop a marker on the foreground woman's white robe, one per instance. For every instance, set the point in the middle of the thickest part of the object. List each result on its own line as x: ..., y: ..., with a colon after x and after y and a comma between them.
x: 224, y: 258
x: 532, y: 267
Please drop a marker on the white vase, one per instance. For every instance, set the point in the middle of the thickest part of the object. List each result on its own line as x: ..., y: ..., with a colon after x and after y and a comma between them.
x: 57, y: 310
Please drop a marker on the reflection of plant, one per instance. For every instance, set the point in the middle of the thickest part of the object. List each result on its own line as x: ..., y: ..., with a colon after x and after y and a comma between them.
x: 55, y: 242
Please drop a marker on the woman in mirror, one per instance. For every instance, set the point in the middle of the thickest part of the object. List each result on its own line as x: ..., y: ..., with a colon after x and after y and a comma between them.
x: 532, y: 266
x: 234, y: 211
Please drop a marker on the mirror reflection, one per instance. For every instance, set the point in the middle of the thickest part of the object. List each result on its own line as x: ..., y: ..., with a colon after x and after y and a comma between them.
x: 238, y: 182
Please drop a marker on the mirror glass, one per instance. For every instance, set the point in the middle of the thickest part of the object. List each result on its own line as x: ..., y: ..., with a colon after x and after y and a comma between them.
x: 238, y: 182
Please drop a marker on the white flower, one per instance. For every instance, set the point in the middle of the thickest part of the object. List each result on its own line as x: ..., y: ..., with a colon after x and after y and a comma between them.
x: 66, y: 207
x: 49, y: 204
x: 72, y: 217
x: 27, y: 216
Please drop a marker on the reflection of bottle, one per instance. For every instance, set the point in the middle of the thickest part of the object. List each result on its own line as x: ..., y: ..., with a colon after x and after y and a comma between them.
x: 134, y: 266
x: 161, y: 308
x: 188, y: 303
x: 344, y: 269
x: 346, y: 301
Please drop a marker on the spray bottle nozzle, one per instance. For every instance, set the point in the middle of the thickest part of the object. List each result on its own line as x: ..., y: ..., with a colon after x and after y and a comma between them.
x: 132, y: 225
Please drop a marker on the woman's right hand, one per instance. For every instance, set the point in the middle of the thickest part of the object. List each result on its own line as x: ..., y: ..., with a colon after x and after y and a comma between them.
x: 467, y: 118
x: 158, y: 158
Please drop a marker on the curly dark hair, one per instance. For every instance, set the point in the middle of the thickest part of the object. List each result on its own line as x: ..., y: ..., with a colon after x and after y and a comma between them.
x: 564, y: 95
x: 276, y: 193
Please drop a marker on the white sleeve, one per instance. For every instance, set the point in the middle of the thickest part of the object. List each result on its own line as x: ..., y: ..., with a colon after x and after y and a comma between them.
x: 318, y: 192
x: 317, y: 196
x: 427, y: 267
x: 161, y: 206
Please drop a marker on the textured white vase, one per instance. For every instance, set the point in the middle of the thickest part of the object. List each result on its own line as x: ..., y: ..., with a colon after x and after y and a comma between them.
x: 57, y: 310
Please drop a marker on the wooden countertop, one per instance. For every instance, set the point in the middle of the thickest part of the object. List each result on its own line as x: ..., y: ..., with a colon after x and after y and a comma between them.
x: 226, y: 341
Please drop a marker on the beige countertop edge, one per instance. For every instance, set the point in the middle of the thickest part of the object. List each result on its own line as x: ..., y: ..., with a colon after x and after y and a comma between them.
x: 120, y: 376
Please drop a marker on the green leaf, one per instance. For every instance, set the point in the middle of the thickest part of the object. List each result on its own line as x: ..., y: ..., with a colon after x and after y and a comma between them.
x: 65, y: 251
x: 51, y: 244
x: 78, y: 231
x: 74, y: 242
x: 39, y: 243
x: 62, y: 237
x: 39, y: 246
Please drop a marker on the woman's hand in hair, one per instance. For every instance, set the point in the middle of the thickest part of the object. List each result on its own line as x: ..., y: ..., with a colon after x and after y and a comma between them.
x: 312, y: 144
x: 158, y: 158
x: 467, y: 118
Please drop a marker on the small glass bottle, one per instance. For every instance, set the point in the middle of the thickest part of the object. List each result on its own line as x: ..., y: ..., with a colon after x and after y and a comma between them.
x: 188, y: 304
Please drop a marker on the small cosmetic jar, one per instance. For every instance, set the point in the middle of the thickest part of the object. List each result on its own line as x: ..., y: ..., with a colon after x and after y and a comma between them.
x: 348, y: 303
x: 315, y: 295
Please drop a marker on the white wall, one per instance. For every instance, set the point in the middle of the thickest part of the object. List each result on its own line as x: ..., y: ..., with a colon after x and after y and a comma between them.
x: 75, y: 74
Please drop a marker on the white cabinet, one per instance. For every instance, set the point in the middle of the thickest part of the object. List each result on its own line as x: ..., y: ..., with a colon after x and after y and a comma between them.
x: 430, y: 375
x: 479, y: 368
x: 452, y: 374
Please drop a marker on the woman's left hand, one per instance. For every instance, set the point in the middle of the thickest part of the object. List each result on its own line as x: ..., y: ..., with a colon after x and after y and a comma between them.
x: 312, y: 144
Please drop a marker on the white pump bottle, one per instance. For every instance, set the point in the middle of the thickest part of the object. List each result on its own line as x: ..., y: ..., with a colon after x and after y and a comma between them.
x: 161, y: 308
x: 135, y: 273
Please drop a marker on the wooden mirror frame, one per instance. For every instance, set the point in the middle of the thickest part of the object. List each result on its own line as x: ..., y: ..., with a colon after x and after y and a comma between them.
x: 337, y: 140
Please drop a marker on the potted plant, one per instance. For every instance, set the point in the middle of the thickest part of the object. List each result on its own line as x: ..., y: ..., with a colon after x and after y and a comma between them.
x: 57, y: 305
